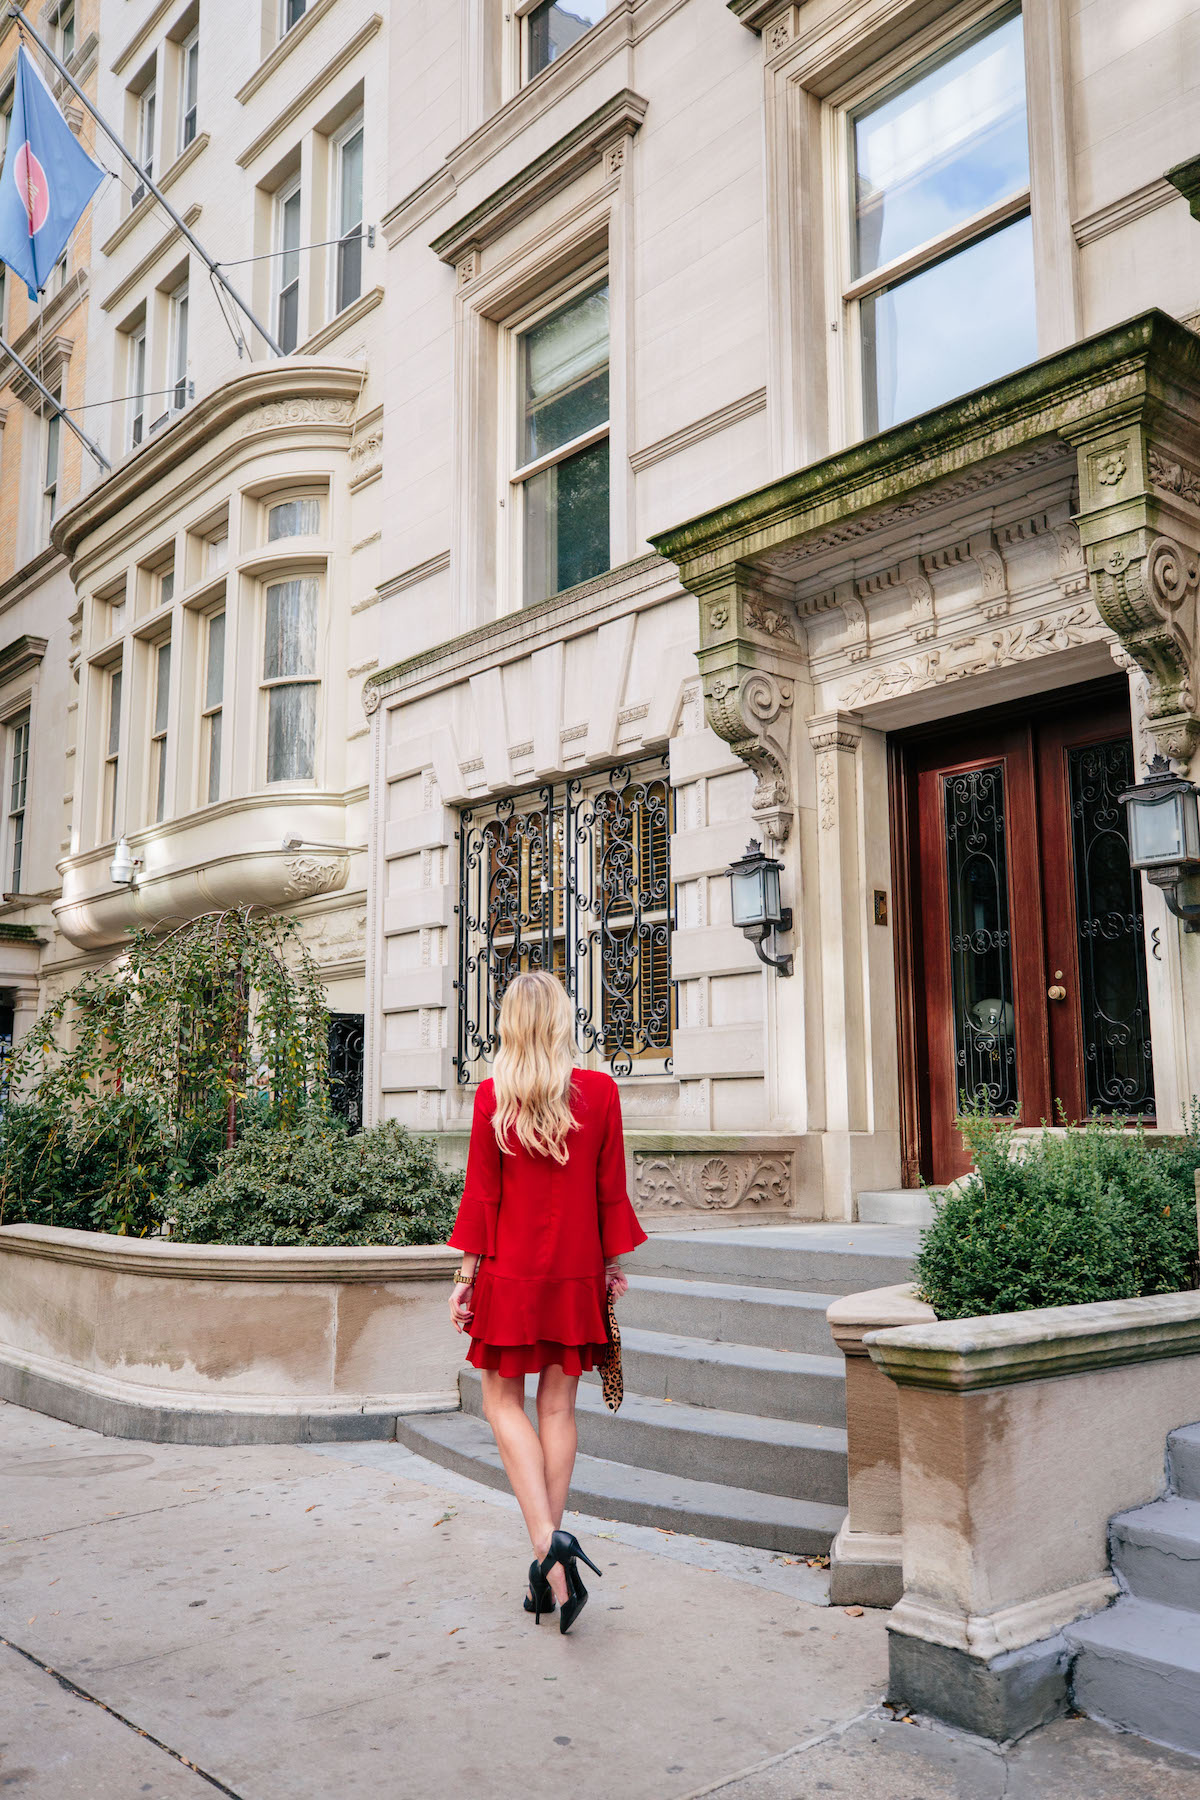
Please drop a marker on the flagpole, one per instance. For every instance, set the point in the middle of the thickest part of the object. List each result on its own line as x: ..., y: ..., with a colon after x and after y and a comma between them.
x: 6, y: 349
x: 15, y: 12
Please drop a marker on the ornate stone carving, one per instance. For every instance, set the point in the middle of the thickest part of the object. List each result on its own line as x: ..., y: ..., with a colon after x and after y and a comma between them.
x: 772, y: 621
x: 614, y: 158
x: 308, y: 875
x: 752, y: 711
x: 315, y: 411
x: 1110, y: 467
x: 976, y: 655
x: 371, y: 698
x: 1145, y: 589
x: 712, y: 1183
x: 467, y: 269
x: 778, y: 35
x: 920, y: 591
x: 830, y: 734
x: 1174, y: 478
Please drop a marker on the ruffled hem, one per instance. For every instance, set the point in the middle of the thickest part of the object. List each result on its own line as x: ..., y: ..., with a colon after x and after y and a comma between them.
x: 539, y: 1309
x: 531, y: 1359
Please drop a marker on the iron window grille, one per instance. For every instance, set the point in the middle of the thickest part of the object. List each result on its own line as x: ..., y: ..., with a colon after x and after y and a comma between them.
x: 573, y: 878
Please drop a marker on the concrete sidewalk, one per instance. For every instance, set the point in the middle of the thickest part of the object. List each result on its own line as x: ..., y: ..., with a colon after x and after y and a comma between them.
x: 346, y: 1620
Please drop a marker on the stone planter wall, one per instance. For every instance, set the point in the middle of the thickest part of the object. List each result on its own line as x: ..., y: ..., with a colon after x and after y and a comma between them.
x: 207, y: 1344
x: 1020, y: 1436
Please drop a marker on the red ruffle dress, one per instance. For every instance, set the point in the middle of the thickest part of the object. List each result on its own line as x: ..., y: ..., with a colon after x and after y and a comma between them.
x: 544, y: 1230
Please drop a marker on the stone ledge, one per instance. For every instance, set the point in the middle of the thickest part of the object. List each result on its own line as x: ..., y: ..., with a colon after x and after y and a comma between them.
x: 961, y: 1355
x: 228, y: 1262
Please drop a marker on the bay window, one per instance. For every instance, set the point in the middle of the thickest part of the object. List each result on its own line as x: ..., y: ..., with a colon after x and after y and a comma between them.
x: 562, y: 483
x: 290, y: 679
x: 942, y: 288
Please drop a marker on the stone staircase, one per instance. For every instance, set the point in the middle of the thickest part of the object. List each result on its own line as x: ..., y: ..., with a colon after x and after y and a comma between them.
x: 733, y: 1424
x: 1137, y: 1666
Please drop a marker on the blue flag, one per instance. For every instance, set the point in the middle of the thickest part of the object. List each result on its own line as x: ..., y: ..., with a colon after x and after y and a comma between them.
x: 47, y: 181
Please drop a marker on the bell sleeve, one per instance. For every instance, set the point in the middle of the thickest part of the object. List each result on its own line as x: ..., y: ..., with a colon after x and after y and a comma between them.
x: 475, y: 1227
x: 619, y: 1229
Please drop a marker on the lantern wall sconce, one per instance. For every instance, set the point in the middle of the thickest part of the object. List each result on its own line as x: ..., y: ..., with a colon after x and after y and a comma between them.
x: 756, y: 908
x: 1163, y: 813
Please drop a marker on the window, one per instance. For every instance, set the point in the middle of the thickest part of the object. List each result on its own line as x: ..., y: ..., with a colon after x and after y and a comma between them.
x: 574, y: 879
x: 53, y: 431
x: 112, y: 755
x: 293, y: 518
x: 137, y: 387
x: 563, y: 446
x: 212, y: 711
x: 177, y: 357
x: 146, y: 109
x: 165, y: 584
x: 66, y: 32
x: 553, y: 26
x: 287, y: 263
x: 942, y: 245
x: 290, y: 13
x: 18, y: 777
x: 158, y: 734
x: 189, y: 88
x: 289, y: 676
x: 348, y: 220
x: 216, y: 551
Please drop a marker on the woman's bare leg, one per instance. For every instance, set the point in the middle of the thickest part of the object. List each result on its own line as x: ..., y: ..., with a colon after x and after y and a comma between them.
x: 521, y: 1454
x: 557, y: 1431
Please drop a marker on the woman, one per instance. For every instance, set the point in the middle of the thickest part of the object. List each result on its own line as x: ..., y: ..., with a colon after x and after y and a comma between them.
x: 544, y: 1216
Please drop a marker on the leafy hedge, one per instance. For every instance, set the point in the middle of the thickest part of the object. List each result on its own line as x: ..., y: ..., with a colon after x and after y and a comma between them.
x: 1096, y: 1213
x: 114, y: 1171
x: 316, y: 1184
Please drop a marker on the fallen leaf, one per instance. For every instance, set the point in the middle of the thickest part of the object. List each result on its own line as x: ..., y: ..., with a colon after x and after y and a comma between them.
x: 453, y: 1629
x: 853, y: 1612
x: 311, y: 1508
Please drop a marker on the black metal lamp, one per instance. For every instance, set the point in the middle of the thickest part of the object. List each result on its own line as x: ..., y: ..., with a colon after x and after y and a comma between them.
x: 757, y: 912
x: 1163, y: 812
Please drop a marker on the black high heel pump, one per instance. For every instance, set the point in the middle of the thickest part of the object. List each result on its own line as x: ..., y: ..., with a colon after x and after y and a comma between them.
x: 540, y: 1598
x: 566, y: 1550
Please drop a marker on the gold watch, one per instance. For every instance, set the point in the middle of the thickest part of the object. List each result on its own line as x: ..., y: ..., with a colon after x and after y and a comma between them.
x: 462, y: 1278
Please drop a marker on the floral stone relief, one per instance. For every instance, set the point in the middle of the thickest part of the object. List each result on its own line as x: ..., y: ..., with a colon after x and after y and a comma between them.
x: 712, y: 1183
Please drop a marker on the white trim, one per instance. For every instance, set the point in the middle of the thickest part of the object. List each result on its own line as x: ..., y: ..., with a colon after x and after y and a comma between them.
x: 561, y: 454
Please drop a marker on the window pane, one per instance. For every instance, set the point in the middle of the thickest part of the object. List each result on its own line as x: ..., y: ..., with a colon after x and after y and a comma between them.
x: 292, y: 732
x: 162, y: 687
x: 18, y: 851
x: 291, y: 631
x: 214, y: 758
x: 350, y: 214
x: 20, y: 765
x: 160, y: 795
x: 214, y: 684
x: 554, y: 27
x: 950, y: 143
x: 293, y: 518
x: 114, y: 712
x: 949, y: 329
x: 565, y: 362
x: 566, y: 523
x: 349, y: 274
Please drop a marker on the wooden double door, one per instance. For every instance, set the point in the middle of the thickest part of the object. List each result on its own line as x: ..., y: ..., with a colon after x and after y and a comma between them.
x: 1023, y: 952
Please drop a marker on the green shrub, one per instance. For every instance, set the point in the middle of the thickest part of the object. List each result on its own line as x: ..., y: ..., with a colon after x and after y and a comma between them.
x: 1097, y: 1213
x: 117, y: 1173
x: 318, y: 1185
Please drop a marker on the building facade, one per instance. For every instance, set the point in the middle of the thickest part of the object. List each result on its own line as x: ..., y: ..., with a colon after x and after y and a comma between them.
x: 792, y: 421
x: 224, y: 574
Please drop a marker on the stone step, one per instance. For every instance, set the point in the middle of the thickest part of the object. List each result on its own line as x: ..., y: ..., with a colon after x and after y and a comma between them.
x: 815, y: 1259
x: 772, y: 1384
x: 1137, y: 1666
x: 614, y: 1490
x: 703, y: 1443
x: 1183, y: 1458
x: 728, y: 1312
x: 909, y: 1207
x: 1156, y: 1549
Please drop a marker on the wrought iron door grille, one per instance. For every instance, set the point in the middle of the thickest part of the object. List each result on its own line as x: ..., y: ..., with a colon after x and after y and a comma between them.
x: 573, y: 878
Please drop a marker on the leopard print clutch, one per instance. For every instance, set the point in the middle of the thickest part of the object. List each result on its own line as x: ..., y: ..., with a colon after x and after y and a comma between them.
x: 612, y: 1382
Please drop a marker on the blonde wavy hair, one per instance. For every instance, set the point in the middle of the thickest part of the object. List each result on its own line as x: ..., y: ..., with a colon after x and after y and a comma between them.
x: 532, y: 1071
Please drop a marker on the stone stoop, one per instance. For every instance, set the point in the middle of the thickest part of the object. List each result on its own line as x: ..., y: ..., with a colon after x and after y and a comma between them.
x: 733, y: 1424
x: 1137, y: 1665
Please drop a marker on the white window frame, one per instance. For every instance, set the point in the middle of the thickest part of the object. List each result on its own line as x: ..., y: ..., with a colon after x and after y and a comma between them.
x: 519, y: 14
x: 850, y: 292
x: 66, y: 15
x: 286, y: 6
x: 160, y: 729
x: 17, y: 795
x: 137, y: 386
x: 189, y: 61
x: 337, y: 148
x: 212, y: 710
x: 268, y: 683
x: 51, y: 469
x: 147, y: 128
x: 289, y: 192
x: 597, y: 273
x: 178, y: 303
x: 112, y: 676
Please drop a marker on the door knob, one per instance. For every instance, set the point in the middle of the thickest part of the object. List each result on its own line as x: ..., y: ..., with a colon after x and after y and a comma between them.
x: 1056, y: 992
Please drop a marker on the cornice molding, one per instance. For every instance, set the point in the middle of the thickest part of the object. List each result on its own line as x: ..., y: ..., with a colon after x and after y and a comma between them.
x: 756, y: 15
x: 284, y: 395
x: 53, y: 315
x: 555, y: 168
x: 283, y: 49
x: 140, y: 270
x: 29, y: 575
x: 226, y: 1262
x: 698, y: 430
x: 1124, y: 210
x: 312, y: 90
x: 53, y: 356
x: 343, y: 321
x: 141, y: 37
x: 147, y: 203
x: 21, y: 657
x: 396, y: 584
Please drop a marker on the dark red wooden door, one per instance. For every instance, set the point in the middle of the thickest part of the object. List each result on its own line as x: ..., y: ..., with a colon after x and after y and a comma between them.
x: 1027, y: 982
